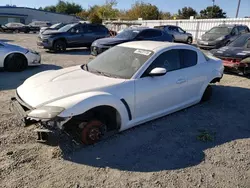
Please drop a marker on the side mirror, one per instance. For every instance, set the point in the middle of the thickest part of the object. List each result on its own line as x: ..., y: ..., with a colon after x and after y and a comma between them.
x: 248, y: 45
x: 158, y: 71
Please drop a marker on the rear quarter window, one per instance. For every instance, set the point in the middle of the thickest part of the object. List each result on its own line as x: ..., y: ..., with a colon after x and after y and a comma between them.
x: 189, y: 58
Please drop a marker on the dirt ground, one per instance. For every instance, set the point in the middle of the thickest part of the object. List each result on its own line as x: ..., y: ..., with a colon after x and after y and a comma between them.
x: 167, y: 152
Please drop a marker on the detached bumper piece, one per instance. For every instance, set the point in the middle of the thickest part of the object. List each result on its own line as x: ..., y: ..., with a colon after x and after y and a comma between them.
x: 21, y: 112
x: 43, y: 135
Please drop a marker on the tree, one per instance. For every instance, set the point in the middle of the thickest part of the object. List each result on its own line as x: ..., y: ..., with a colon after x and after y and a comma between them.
x: 84, y: 14
x: 165, y: 15
x: 108, y: 10
x: 67, y: 7
x: 186, y: 12
x: 212, y: 12
x: 50, y: 8
x: 143, y: 10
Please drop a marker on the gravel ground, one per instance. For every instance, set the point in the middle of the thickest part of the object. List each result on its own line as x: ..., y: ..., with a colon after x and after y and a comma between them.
x: 168, y: 152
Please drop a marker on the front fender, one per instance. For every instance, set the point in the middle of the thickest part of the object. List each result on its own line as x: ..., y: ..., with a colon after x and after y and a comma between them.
x: 81, y: 103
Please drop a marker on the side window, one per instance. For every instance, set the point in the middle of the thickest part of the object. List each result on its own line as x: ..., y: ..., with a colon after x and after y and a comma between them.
x: 170, y: 60
x: 235, y: 31
x: 92, y: 29
x: 76, y: 29
x: 151, y: 34
x: 180, y: 30
x: 188, y: 58
x: 175, y: 29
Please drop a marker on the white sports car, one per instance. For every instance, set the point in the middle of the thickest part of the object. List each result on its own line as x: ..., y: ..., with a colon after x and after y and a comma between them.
x: 127, y: 85
x: 16, y: 58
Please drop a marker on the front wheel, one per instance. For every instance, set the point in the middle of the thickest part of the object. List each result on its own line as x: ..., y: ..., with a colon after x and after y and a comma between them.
x: 92, y: 132
x: 207, y: 94
x: 59, y: 46
x: 15, y: 63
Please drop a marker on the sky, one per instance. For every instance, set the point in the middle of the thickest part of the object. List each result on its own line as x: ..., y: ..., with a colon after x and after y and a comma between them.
x: 229, y: 6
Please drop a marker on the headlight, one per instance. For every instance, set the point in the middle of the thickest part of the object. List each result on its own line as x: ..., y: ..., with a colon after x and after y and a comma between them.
x: 46, y: 112
x: 221, y: 38
x: 33, y: 51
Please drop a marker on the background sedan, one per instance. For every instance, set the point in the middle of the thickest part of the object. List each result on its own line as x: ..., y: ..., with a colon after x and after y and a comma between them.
x: 127, y: 35
x: 16, y: 58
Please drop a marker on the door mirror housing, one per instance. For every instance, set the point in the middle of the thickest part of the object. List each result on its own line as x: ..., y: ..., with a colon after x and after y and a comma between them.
x: 158, y: 71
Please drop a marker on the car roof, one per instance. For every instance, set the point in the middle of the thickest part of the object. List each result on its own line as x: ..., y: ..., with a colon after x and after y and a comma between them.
x: 230, y: 25
x: 151, y: 45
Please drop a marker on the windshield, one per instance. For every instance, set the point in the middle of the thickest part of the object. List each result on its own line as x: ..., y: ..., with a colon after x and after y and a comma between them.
x: 240, y: 42
x: 128, y: 34
x: 220, y: 30
x: 55, y: 25
x: 66, y: 27
x: 124, y: 64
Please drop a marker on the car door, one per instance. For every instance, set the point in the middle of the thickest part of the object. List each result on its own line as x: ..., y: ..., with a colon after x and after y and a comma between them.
x: 155, y: 96
x: 94, y: 32
x: 76, y: 37
x: 177, y: 35
x: 182, y: 34
x: 195, y: 75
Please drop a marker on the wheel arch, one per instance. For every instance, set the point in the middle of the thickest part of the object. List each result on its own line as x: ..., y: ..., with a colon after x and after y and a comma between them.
x: 88, y: 101
x: 62, y: 39
x: 12, y: 53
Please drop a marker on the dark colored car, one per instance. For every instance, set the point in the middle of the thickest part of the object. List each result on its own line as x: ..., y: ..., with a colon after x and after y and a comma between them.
x: 37, y: 25
x: 178, y: 33
x: 15, y: 27
x: 72, y: 35
x: 236, y: 56
x: 128, y: 35
x: 221, y: 35
x: 53, y: 27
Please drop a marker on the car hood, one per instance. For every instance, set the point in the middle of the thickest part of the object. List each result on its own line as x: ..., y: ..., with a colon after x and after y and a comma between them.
x: 110, y: 41
x: 49, y: 86
x: 231, y: 52
x: 211, y: 37
x: 13, y: 47
x: 52, y: 32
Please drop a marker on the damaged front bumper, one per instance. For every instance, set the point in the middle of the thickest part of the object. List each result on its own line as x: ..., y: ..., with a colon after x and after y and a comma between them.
x: 44, y: 126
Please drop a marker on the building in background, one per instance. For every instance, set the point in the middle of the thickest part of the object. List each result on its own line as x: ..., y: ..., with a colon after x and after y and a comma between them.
x: 27, y: 15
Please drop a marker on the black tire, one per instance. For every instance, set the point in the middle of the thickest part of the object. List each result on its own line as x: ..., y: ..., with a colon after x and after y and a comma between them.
x: 59, y: 46
x: 207, y: 94
x: 189, y: 40
x: 15, y: 63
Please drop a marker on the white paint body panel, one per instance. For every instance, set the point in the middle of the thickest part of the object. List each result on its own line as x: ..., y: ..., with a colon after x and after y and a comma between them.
x: 148, y: 98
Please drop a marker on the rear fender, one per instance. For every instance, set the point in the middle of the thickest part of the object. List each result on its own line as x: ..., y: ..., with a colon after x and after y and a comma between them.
x: 81, y: 103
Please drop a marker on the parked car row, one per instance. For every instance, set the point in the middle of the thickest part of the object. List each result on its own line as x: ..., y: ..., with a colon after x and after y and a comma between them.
x: 19, y: 27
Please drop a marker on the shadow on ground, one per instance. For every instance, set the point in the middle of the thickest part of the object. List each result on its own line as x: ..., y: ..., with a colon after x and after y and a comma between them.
x: 78, y: 51
x: 11, y: 80
x: 5, y: 40
x: 171, y: 142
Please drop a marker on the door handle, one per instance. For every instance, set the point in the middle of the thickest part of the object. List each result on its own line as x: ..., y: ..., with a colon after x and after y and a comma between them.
x: 181, y: 81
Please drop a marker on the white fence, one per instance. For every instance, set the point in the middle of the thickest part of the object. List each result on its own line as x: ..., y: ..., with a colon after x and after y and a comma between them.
x: 197, y: 26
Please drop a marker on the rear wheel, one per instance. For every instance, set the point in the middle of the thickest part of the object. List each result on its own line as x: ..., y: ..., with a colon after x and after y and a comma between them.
x: 59, y: 46
x: 15, y: 63
x: 207, y: 94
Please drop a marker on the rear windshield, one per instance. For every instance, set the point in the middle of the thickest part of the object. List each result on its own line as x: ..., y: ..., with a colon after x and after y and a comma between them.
x: 240, y: 42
